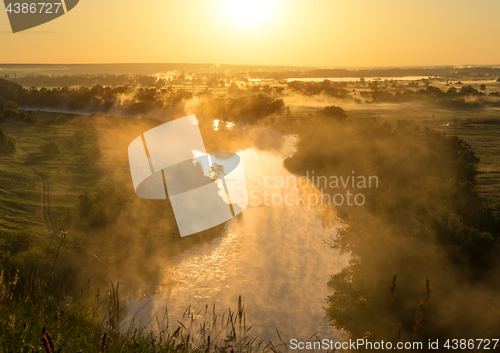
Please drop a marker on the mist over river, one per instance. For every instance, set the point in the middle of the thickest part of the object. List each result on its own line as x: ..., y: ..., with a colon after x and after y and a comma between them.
x: 276, y: 257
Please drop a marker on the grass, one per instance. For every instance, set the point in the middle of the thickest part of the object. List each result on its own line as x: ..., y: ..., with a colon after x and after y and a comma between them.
x: 36, y: 314
x: 21, y: 188
x: 37, y: 321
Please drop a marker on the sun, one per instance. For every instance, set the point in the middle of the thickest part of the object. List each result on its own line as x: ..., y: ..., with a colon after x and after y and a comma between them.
x: 248, y: 13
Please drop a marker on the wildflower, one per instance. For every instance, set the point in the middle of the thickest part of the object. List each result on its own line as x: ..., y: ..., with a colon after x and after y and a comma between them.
x: 103, y: 342
x: 45, y: 344
x: 51, y: 341
x: 176, y: 332
x: 47, y: 341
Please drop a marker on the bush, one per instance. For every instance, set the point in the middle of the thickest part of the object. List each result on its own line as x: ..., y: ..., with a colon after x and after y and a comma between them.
x: 334, y: 112
x: 100, y: 209
x: 10, y: 113
x: 11, y: 105
x: 7, y: 143
x: 49, y: 148
x: 30, y: 118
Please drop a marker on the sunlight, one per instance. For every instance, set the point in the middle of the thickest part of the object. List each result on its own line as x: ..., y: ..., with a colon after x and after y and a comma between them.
x: 248, y: 12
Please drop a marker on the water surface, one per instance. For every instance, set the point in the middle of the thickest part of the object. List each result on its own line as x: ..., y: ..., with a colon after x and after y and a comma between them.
x: 275, y: 257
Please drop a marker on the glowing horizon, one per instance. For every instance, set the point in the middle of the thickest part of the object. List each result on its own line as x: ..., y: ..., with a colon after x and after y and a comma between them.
x: 324, y: 33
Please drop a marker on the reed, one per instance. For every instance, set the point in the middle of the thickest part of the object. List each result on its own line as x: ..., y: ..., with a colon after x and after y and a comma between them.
x: 47, y: 320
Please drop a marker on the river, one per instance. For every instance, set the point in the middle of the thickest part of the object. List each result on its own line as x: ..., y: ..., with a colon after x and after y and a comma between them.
x: 276, y: 257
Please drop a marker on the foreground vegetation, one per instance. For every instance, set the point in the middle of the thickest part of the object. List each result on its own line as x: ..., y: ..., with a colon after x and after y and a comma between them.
x: 72, y: 153
x: 35, y: 319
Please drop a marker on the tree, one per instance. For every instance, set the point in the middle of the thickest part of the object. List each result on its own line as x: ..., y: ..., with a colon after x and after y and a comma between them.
x: 49, y: 148
x: 101, y: 208
x: 469, y: 90
x: 31, y: 118
x: 9, y: 113
x: 16, y: 242
x: 373, y: 85
x: 401, y: 239
x: 483, y: 88
x: 333, y: 112
x: 234, y: 89
x: 7, y: 143
x: 12, y: 105
x: 218, y: 172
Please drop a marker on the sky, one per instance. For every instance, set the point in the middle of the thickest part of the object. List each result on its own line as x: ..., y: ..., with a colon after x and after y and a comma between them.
x: 326, y: 33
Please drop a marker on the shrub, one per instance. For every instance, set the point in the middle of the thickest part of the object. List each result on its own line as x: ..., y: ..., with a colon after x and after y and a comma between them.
x: 30, y: 118
x: 7, y: 143
x: 11, y: 105
x: 10, y: 113
x: 334, y: 112
x: 49, y: 148
x: 101, y: 208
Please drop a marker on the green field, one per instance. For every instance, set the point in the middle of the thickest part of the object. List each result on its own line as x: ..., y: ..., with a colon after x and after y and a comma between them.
x: 68, y: 175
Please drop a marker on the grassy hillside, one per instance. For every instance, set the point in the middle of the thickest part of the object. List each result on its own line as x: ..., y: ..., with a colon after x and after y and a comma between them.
x: 68, y: 173
x: 50, y: 302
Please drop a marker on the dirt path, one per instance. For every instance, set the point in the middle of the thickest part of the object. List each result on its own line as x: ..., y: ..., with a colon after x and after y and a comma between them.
x: 45, y: 201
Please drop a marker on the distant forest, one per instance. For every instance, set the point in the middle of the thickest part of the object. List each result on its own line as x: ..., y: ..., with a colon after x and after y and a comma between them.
x: 243, y: 104
x: 27, y: 74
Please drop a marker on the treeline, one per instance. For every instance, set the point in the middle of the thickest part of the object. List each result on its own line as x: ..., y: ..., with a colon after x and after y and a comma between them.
x: 327, y: 87
x: 424, y: 247
x: 193, y: 79
x: 153, y: 102
x: 466, y: 96
x: 10, y: 112
x: 444, y: 71
x: 224, y: 76
x: 242, y: 104
x: 390, y: 91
